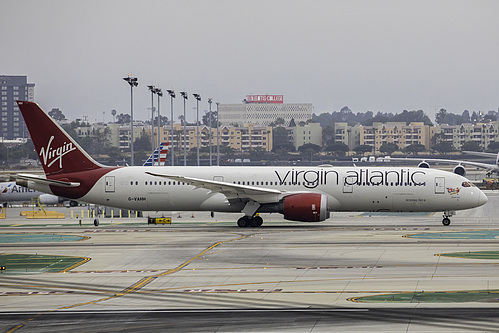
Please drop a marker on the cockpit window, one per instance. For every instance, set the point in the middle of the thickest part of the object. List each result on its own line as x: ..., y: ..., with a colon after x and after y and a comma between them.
x: 467, y: 184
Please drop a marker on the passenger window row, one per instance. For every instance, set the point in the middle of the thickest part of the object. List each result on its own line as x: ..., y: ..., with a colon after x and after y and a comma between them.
x: 149, y: 183
x: 158, y: 183
x: 391, y: 184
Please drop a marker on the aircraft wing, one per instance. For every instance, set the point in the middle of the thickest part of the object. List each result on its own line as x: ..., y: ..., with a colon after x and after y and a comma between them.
x: 477, y: 164
x: 42, y: 180
x: 228, y: 189
x: 480, y: 153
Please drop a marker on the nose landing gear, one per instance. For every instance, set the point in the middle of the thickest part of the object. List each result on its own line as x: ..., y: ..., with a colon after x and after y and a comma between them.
x: 446, y: 217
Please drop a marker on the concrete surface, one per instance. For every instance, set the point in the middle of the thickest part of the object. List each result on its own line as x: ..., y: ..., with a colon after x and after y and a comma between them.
x: 206, y: 274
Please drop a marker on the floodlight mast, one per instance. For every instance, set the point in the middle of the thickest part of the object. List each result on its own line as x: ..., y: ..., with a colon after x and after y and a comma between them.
x: 218, y: 140
x: 153, y: 90
x: 160, y: 94
x: 133, y: 82
x: 186, y: 97
x: 198, y: 99
x: 172, y: 96
x: 210, y: 100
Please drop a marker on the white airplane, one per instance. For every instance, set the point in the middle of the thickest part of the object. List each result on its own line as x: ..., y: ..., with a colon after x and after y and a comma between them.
x: 460, y: 168
x: 11, y: 192
x: 306, y: 194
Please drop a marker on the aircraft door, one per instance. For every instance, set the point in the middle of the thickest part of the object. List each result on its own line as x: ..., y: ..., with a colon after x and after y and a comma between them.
x: 347, y: 187
x: 439, y: 185
x: 109, y: 184
x: 218, y: 178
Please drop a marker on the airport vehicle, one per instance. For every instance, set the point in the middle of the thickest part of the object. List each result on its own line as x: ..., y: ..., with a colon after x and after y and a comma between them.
x: 306, y: 194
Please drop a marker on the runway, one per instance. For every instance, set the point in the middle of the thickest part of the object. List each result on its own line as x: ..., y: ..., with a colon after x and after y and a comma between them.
x: 206, y: 274
x: 285, y: 320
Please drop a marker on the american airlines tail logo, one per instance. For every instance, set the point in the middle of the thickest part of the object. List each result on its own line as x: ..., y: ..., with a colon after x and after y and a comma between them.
x: 51, y: 155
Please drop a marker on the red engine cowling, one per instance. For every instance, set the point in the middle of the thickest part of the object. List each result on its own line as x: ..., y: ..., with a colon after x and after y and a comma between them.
x: 305, y: 207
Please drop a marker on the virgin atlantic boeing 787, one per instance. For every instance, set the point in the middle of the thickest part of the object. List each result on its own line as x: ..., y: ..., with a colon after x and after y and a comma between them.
x: 306, y: 194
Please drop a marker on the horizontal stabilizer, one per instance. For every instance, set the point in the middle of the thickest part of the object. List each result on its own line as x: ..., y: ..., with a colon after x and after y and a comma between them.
x: 41, y: 180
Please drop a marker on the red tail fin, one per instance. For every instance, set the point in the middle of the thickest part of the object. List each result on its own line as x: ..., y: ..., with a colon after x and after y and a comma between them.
x: 57, y: 151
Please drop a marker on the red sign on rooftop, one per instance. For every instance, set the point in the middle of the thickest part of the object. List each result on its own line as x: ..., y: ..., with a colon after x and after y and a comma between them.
x: 279, y: 99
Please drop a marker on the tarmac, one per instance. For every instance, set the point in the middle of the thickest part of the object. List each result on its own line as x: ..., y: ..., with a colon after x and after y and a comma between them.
x: 354, y: 272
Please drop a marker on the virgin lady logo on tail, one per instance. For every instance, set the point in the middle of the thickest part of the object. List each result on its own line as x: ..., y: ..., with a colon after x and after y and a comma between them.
x: 51, y: 155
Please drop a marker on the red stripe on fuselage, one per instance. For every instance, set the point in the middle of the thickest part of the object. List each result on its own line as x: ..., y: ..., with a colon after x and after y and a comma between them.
x: 87, y: 180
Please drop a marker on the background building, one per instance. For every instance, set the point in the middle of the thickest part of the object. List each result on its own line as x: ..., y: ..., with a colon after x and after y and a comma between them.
x: 263, y: 110
x: 243, y: 137
x: 398, y: 133
x: 349, y: 135
x: 481, y: 133
x: 308, y: 133
x: 12, y: 89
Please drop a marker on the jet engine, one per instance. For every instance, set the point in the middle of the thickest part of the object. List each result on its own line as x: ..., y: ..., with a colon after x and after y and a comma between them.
x: 424, y: 164
x: 305, y: 207
x: 460, y: 170
x: 49, y: 199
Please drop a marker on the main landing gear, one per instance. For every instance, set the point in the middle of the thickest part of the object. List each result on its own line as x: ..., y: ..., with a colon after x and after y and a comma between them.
x: 250, y: 221
x: 447, y: 215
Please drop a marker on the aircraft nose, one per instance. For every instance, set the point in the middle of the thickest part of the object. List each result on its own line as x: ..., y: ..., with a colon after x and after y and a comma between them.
x: 482, y: 199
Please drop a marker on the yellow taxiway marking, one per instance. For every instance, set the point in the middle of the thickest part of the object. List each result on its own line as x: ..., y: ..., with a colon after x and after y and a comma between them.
x: 75, y: 265
x: 134, y: 287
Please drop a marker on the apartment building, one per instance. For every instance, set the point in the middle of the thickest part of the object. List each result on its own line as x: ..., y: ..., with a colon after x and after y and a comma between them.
x: 349, y: 135
x: 308, y: 133
x: 481, y: 133
x: 398, y: 133
x: 244, y: 137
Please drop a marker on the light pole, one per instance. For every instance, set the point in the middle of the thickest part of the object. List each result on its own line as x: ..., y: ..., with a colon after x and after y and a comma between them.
x: 198, y: 98
x: 172, y: 96
x: 160, y: 94
x: 218, y: 140
x: 210, y: 100
x: 133, y: 82
x: 185, y: 96
x: 153, y: 90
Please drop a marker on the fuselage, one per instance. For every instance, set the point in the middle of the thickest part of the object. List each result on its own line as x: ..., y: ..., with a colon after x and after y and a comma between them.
x: 347, y: 188
x: 10, y: 192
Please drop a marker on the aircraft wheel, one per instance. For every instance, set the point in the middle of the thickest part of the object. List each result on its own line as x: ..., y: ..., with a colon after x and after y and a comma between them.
x: 243, y: 222
x: 96, y: 222
x: 257, y: 221
x: 446, y: 221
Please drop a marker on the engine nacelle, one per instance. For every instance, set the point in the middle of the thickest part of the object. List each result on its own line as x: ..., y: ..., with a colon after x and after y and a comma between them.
x: 424, y: 164
x: 460, y: 170
x: 305, y: 207
x: 49, y: 199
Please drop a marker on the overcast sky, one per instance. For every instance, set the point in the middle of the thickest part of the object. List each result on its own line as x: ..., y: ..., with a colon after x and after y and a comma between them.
x: 369, y: 55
